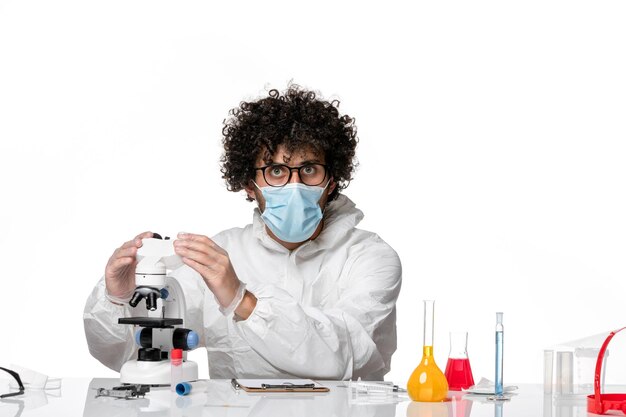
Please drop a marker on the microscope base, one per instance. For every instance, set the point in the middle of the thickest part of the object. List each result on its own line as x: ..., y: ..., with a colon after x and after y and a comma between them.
x: 155, y: 373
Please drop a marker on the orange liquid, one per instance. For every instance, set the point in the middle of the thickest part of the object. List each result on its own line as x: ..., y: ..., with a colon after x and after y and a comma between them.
x: 427, y: 382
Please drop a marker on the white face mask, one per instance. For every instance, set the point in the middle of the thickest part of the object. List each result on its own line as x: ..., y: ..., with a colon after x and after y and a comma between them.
x: 292, y: 212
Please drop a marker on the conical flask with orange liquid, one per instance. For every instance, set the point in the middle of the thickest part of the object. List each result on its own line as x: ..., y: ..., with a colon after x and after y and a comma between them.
x: 427, y: 382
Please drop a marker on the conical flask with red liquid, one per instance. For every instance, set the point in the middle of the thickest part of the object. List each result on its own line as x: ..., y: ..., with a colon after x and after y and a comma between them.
x: 458, y: 369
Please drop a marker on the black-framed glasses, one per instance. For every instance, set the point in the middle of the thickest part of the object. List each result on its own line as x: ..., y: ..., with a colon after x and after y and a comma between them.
x: 278, y: 175
x: 19, y: 383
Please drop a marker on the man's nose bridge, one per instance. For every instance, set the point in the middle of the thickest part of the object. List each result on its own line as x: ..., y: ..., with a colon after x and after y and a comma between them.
x: 295, y: 176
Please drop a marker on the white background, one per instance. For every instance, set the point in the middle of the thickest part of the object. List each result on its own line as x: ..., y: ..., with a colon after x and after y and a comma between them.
x: 491, y: 155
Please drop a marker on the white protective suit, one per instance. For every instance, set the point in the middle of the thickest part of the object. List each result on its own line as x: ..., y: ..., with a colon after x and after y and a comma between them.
x: 325, y: 310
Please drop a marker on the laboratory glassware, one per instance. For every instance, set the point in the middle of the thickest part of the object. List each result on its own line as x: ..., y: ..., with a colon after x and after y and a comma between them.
x: 569, y: 367
x: 499, y: 354
x: 458, y: 370
x: 427, y: 382
x: 548, y: 359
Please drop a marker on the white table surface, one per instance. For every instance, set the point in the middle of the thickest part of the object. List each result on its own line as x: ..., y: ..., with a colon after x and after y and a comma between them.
x: 77, y: 398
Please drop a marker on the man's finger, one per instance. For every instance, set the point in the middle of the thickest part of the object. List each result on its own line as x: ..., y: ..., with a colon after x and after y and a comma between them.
x: 197, y: 266
x: 199, y: 257
x: 196, y: 238
x: 127, y: 251
x: 200, y: 246
x: 144, y: 235
x: 136, y: 242
x: 130, y: 244
x: 120, y: 263
x: 139, y: 237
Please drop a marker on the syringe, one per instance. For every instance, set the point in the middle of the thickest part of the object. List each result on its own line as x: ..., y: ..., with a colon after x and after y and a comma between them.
x: 370, y: 387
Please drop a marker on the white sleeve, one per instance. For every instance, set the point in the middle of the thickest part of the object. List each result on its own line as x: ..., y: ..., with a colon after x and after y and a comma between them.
x: 112, y: 343
x: 109, y: 342
x: 355, y: 337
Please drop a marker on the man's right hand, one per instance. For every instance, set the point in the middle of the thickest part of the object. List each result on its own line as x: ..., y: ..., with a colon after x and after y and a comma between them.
x: 119, y: 274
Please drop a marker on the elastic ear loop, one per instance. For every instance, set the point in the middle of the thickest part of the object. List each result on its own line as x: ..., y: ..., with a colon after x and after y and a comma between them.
x: 325, y: 205
x: 19, y: 382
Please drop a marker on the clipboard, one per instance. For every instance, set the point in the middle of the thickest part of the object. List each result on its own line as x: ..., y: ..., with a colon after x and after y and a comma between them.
x: 278, y: 385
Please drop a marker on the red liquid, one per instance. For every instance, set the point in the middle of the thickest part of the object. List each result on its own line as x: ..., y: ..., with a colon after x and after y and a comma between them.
x: 460, y: 407
x: 459, y: 374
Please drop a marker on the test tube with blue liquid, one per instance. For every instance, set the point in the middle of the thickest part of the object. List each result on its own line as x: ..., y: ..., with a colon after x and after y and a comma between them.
x: 499, y: 356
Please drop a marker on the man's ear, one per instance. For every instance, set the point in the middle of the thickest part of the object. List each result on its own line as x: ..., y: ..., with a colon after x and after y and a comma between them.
x: 331, y: 186
x: 250, y: 191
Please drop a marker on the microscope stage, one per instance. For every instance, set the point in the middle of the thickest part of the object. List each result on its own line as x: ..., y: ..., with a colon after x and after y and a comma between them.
x: 156, y: 322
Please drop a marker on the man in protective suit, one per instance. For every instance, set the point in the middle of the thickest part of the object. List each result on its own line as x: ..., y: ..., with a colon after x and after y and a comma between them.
x: 300, y: 292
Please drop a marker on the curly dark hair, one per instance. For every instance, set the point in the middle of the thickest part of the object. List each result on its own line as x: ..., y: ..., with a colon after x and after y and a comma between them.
x: 297, y: 120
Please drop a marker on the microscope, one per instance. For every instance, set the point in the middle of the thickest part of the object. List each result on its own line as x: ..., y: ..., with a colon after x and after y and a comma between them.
x: 159, y: 331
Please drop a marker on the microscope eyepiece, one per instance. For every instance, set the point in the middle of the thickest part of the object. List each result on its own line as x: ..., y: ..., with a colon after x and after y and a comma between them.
x: 151, y: 294
x: 151, y: 301
x: 137, y: 296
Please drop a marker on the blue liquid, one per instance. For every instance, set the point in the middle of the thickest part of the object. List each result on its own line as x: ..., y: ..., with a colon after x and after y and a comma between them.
x: 499, y: 353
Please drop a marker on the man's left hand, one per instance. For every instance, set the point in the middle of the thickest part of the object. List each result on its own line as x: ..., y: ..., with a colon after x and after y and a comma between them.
x: 211, y: 262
